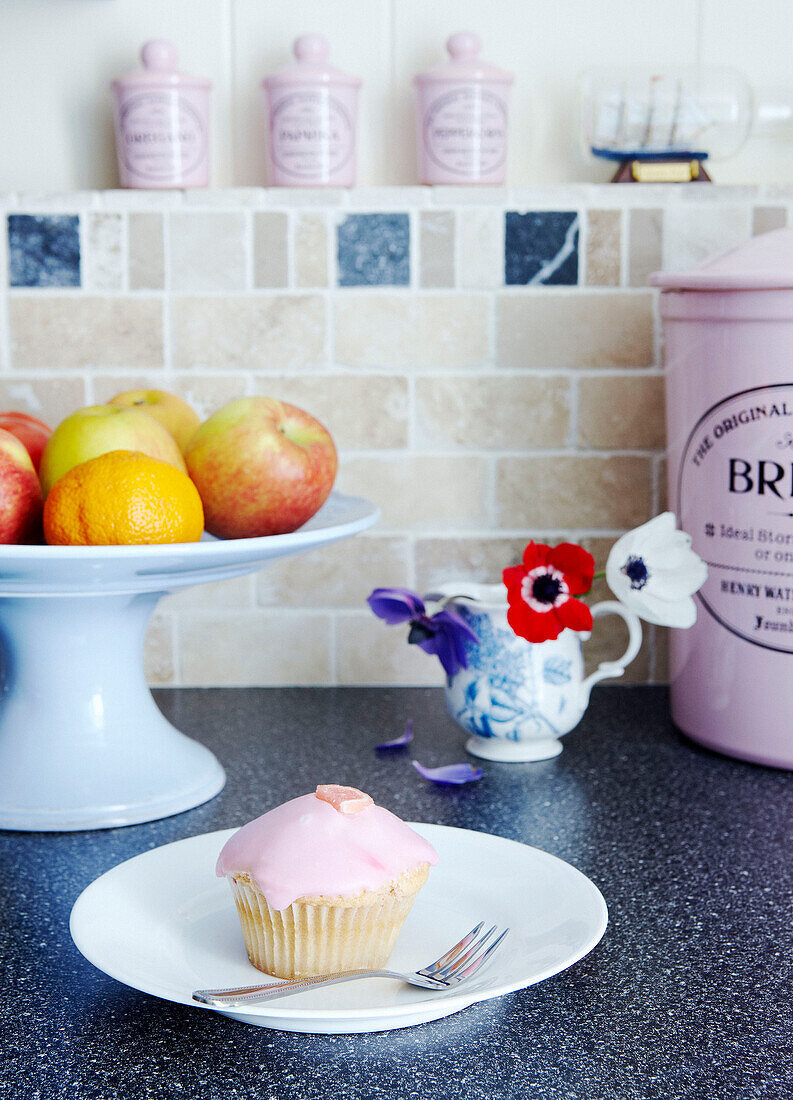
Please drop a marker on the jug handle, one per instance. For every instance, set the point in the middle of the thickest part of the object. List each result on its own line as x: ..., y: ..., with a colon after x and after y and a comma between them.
x: 608, y: 669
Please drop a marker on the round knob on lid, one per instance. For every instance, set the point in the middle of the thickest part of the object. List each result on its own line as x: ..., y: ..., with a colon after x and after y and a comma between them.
x: 159, y: 56
x: 464, y: 46
x: 311, y: 47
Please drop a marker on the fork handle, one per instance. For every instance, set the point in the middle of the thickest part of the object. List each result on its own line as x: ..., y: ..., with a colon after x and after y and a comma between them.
x: 254, y: 994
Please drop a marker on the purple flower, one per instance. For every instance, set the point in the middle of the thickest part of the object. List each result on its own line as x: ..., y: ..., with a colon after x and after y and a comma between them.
x: 442, y: 634
x: 449, y: 774
x: 402, y: 740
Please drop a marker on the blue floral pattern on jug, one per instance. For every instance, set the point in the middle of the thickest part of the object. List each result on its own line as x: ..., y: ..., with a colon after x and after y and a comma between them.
x: 374, y: 250
x: 556, y: 670
x: 500, y: 699
x: 43, y: 250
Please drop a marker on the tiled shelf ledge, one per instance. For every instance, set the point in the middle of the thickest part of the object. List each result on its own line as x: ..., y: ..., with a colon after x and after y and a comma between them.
x: 488, y: 361
x: 386, y: 198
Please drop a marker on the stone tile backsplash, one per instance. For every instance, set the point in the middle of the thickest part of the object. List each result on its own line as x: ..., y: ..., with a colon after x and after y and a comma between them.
x: 488, y: 362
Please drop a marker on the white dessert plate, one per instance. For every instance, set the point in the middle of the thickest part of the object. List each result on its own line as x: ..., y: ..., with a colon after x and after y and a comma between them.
x: 163, y: 924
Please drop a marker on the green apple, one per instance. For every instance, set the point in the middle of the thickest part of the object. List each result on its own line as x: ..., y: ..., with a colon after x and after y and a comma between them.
x: 98, y: 429
x: 171, y: 411
x: 261, y: 467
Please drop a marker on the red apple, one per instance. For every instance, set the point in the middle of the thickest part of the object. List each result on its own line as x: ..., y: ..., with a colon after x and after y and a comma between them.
x: 20, y: 493
x: 31, y: 431
x: 261, y: 467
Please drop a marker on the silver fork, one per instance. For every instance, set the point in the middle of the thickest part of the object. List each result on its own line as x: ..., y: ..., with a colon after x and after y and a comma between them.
x: 456, y: 965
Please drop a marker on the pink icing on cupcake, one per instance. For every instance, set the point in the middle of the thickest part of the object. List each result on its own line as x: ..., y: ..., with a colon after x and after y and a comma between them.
x: 314, y: 845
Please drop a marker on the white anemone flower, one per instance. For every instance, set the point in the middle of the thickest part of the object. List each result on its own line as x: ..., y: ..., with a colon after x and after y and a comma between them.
x: 654, y: 572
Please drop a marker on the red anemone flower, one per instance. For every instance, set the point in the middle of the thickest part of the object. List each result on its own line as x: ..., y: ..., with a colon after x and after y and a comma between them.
x: 541, y: 590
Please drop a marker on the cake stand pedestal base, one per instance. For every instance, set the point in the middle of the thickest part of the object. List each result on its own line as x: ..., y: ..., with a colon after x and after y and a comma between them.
x: 83, y: 745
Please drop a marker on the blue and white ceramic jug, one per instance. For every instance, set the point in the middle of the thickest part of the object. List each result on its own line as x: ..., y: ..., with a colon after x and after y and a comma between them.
x: 517, y: 698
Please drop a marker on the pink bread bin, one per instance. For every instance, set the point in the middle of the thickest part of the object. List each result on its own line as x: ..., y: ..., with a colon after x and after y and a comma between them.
x: 162, y: 122
x: 728, y: 331
x: 312, y: 111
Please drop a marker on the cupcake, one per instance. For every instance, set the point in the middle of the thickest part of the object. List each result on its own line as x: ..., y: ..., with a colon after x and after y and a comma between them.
x: 324, y: 882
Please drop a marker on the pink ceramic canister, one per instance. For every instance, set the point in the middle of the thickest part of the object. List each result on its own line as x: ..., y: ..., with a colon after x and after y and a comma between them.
x: 162, y: 122
x: 728, y: 331
x: 312, y: 112
x: 461, y: 117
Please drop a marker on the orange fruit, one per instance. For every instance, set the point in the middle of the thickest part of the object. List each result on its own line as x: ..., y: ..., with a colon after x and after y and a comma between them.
x: 122, y: 498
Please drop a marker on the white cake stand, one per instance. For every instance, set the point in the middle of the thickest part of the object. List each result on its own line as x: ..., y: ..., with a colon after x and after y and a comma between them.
x: 83, y: 745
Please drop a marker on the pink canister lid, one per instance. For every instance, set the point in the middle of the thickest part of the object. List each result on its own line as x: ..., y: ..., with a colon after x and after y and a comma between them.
x: 160, y: 61
x: 763, y: 263
x: 464, y: 63
x: 310, y: 65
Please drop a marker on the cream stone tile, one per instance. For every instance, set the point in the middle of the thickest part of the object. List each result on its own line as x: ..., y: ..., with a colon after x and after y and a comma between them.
x: 767, y: 218
x: 403, y: 330
x: 417, y: 493
x: 146, y: 260
x: 439, y: 561
x: 207, y: 251
x: 359, y: 412
x: 437, y: 247
x: 254, y: 649
x: 50, y: 399
x: 371, y: 652
x: 645, y: 244
x: 493, y: 411
x: 480, y: 253
x: 270, y: 252
x: 625, y: 412
x: 581, y: 329
x: 603, y: 247
x: 573, y: 491
x: 103, y: 268
x: 69, y: 332
x: 237, y: 592
x: 158, y: 655
x: 103, y: 387
x: 246, y: 333
x: 695, y: 232
x: 311, y: 250
x: 340, y: 575
x: 206, y: 394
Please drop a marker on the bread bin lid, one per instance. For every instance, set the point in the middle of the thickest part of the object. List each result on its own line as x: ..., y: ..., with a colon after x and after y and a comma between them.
x: 763, y: 263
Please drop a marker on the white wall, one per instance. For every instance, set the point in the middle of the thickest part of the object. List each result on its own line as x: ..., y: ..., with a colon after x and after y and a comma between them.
x: 58, y: 56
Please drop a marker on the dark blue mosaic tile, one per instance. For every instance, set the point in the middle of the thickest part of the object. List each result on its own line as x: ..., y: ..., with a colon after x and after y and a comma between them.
x: 374, y: 250
x: 43, y: 250
x: 541, y: 248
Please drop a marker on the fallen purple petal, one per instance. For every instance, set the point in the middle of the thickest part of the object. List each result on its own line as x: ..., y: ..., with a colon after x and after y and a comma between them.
x: 449, y: 774
x: 402, y: 740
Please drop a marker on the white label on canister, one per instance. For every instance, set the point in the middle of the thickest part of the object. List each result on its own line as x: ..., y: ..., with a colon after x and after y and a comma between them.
x: 311, y: 135
x: 465, y: 131
x: 161, y: 133
x: 735, y: 494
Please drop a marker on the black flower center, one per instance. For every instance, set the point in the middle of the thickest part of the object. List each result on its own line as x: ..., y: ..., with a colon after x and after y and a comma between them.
x: 636, y: 572
x: 546, y: 588
x: 420, y: 632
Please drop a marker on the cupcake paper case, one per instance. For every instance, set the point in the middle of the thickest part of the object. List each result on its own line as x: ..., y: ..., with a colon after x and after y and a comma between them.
x: 324, y: 882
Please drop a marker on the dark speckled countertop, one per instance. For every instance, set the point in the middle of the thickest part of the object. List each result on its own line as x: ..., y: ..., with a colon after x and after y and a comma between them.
x: 688, y: 994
